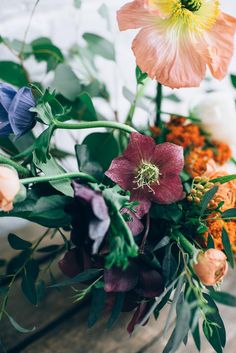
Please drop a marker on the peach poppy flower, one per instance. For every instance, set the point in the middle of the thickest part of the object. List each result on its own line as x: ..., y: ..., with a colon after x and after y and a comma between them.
x: 179, y: 39
x: 227, y: 191
x: 211, y: 267
x: 9, y: 187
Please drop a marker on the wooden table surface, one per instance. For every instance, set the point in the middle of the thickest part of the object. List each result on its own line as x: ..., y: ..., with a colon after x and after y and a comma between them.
x: 61, y: 326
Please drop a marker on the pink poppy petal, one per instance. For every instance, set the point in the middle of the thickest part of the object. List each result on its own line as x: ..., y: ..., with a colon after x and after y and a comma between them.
x: 220, y: 45
x: 135, y: 14
x: 169, y: 158
x: 121, y: 171
x: 171, y: 59
x: 169, y: 191
x: 140, y: 148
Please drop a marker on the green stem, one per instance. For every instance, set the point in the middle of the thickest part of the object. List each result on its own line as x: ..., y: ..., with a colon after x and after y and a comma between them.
x: 189, y: 247
x: 21, y: 170
x: 95, y: 124
x: 139, y: 92
x: 59, y: 177
x: 158, y: 103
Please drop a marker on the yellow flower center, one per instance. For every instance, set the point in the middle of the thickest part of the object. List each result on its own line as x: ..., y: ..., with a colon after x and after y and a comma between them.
x: 188, y: 15
x: 146, y: 175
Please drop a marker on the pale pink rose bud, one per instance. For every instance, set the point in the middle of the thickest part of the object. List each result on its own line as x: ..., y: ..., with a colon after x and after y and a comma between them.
x: 9, y: 187
x: 211, y: 266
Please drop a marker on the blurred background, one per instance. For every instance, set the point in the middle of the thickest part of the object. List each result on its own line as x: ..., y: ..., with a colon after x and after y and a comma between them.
x: 64, y: 21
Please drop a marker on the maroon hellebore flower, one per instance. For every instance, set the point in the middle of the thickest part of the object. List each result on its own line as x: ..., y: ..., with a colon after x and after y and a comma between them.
x: 149, y: 171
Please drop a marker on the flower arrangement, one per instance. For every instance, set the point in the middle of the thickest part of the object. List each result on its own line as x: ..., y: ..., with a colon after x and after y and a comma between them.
x: 147, y: 216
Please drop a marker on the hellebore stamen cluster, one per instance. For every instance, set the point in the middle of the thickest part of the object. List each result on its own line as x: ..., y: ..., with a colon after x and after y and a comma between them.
x: 147, y: 174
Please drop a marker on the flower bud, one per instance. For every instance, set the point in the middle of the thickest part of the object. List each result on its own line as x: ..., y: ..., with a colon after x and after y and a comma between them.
x: 211, y: 266
x: 9, y: 187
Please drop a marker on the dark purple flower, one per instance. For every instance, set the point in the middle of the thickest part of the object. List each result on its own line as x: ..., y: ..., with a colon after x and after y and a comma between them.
x: 144, y: 281
x: 74, y: 262
x: 15, y: 114
x: 149, y: 171
x: 95, y: 220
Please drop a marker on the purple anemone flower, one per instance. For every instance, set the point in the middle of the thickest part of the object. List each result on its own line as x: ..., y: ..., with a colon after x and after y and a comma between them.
x: 149, y: 171
x: 15, y: 114
x: 93, y: 217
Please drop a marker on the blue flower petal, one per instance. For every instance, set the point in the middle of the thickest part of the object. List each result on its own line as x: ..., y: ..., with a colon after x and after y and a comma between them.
x: 7, y: 93
x: 21, y: 119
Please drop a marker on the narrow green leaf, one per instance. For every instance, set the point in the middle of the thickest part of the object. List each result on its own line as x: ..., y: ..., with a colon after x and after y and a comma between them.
x: 224, y: 298
x: 227, y: 247
x: 224, y: 179
x: 207, y: 198
x: 97, y: 305
x: 229, y: 213
x: 210, y: 242
x: 17, y: 243
x: 18, y: 327
x: 233, y: 80
x: 116, y: 310
x: 85, y: 276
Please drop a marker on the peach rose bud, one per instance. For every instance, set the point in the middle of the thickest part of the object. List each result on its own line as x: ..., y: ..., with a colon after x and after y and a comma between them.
x: 211, y: 266
x: 9, y: 187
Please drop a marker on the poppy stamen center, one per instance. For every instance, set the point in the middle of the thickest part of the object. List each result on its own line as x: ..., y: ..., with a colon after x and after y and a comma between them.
x: 191, y: 5
x: 146, y: 175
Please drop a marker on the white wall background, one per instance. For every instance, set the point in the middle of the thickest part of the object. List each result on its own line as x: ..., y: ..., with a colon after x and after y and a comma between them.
x: 60, y: 20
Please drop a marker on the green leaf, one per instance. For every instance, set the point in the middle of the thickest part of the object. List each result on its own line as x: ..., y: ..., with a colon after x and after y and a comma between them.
x: 171, y: 212
x: 17, y: 326
x: 227, y: 247
x: 102, y: 147
x: 45, y: 50
x: 85, y: 276
x: 13, y: 73
x: 169, y: 266
x: 41, y: 145
x: 181, y: 328
x: 66, y: 82
x: 210, y: 242
x: 97, y: 305
x: 51, y: 210
x: 85, y: 162
x: 44, y: 113
x: 89, y: 112
x: 49, y: 168
x: 162, y: 243
x: 224, y: 298
x: 100, y: 46
x: 140, y: 76
x: 212, y: 335
x: 28, y: 286
x: 224, y: 179
x: 17, y: 243
x: 231, y: 213
x: 116, y: 310
x: 207, y: 198
x: 233, y: 80
x: 49, y: 248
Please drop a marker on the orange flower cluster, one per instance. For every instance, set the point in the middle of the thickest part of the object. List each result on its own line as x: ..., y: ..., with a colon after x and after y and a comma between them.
x: 189, y: 135
x: 185, y: 135
x: 196, y: 161
x: 215, y: 225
